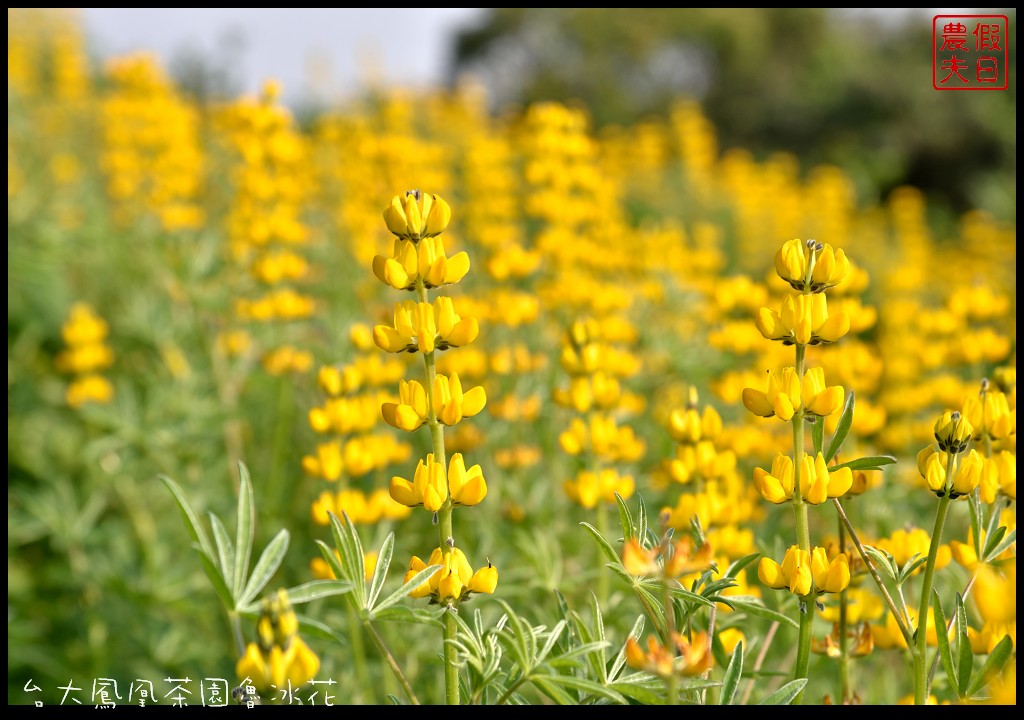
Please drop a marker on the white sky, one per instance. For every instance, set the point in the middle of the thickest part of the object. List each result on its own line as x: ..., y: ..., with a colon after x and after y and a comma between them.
x: 342, y: 47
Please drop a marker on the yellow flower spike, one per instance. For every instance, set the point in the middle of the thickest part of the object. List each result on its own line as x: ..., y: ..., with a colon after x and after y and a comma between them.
x: 467, y: 487
x: 818, y: 399
x: 776, y: 486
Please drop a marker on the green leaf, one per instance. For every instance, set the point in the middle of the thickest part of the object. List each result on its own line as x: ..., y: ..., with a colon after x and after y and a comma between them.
x: 620, y: 658
x: 685, y: 594
x: 965, y: 659
x: 403, y: 613
x: 316, y: 589
x: 245, y: 529
x: 974, y: 504
x: 641, y: 517
x: 225, y: 551
x: 785, y: 694
x: 871, y: 462
x: 993, y: 542
x: 818, y: 435
x: 625, y: 519
x: 380, y: 571
x: 553, y: 636
x: 993, y: 665
x: 587, y: 686
x: 346, y: 539
x: 944, y: 651
x: 266, y: 566
x: 643, y: 689
x: 315, y: 628
x: 191, y: 522
x: 733, y: 673
x: 219, y: 586
x: 603, y: 544
x: 883, y: 560
x: 842, y: 428
x: 331, y: 559
x: 1010, y: 539
x: 601, y: 660
x: 912, y: 564
x: 546, y: 684
x: 754, y: 606
x: 414, y: 582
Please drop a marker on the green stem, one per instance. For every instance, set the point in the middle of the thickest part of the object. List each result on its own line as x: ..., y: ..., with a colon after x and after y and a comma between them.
x: 444, y: 520
x: 390, y: 660
x: 358, y: 652
x: 602, y: 576
x: 896, y: 613
x: 236, y: 631
x: 670, y: 629
x: 921, y: 638
x: 803, y: 536
x: 844, y: 644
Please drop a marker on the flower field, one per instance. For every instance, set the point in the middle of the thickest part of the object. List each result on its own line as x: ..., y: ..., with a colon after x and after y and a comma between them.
x: 408, y: 402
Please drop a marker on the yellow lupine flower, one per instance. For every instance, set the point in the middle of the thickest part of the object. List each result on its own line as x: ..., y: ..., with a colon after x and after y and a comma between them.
x: 455, y: 580
x: 995, y: 593
x: 425, y: 260
x: 411, y: 411
x: 990, y: 414
x: 803, y: 572
x: 781, y: 399
x: 818, y: 399
x: 417, y: 215
x: 999, y: 475
x: 428, y: 488
x: 817, y: 482
x: 467, y: 487
x: 425, y: 327
x: 802, y: 320
x: 793, y: 259
x: 451, y: 404
x: 966, y: 476
x: 953, y: 432
x: 829, y: 575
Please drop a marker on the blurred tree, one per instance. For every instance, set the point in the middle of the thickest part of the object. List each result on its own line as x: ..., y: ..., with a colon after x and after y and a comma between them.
x: 847, y: 87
